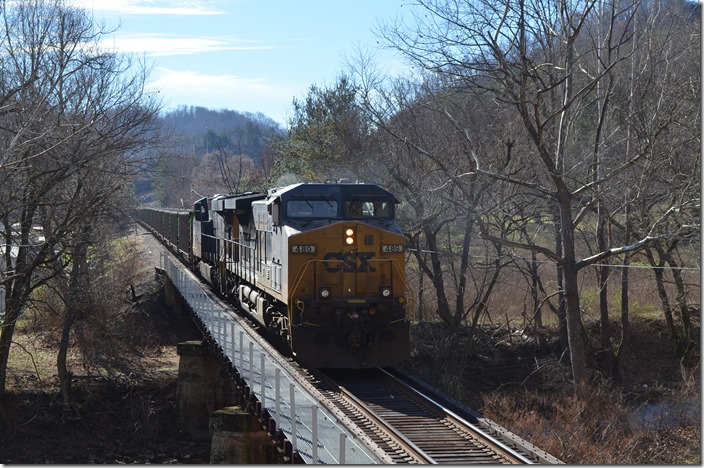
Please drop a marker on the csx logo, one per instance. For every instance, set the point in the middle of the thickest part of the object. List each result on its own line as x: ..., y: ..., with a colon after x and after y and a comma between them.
x: 352, y: 262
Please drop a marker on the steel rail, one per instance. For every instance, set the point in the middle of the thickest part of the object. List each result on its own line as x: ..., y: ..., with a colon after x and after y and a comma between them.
x: 505, y: 450
x: 424, y: 424
x: 406, y: 444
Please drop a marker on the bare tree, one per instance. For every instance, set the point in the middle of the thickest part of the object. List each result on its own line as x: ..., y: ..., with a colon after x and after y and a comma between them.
x: 549, y: 62
x: 429, y: 164
x: 174, y: 179
x: 75, y: 304
x: 663, y: 191
x: 71, y: 110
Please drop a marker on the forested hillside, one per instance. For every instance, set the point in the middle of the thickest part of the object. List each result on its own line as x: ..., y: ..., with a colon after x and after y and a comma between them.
x: 205, y: 130
x: 209, y: 151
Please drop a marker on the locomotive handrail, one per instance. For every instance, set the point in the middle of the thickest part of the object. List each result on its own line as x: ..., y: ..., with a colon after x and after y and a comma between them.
x: 407, y: 288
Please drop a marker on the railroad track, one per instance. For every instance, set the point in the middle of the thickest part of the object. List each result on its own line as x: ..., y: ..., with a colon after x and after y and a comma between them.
x: 413, y: 425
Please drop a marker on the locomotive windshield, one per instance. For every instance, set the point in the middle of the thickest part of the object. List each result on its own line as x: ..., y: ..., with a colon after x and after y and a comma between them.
x: 379, y: 209
x: 354, y: 209
x: 311, y: 208
x: 311, y: 202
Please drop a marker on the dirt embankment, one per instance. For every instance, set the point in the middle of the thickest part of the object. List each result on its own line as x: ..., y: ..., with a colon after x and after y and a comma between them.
x: 124, y: 412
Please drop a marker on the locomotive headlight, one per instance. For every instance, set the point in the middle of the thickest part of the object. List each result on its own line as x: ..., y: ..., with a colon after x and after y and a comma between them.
x: 386, y: 292
x: 349, y: 239
x: 324, y: 293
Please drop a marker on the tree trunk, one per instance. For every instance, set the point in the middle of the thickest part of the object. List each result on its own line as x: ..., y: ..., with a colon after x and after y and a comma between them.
x: 687, y: 340
x: 625, y: 324
x: 420, y: 306
x: 658, y: 271
x: 16, y: 292
x: 12, y: 314
x: 65, y: 377
x: 562, y: 302
x: 438, y: 279
x: 603, y: 279
x: 8, y: 329
x: 72, y: 300
x: 464, y: 266
x: 605, y: 356
x: 537, y: 314
x: 574, y: 319
x: 481, y: 305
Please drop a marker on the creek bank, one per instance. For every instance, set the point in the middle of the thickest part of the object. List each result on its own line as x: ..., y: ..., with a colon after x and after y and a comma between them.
x: 665, y: 415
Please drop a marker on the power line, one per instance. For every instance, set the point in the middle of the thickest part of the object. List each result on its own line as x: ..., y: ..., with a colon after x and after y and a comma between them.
x: 553, y: 262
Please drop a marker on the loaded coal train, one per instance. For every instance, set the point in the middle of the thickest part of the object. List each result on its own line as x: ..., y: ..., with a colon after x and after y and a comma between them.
x: 320, y: 265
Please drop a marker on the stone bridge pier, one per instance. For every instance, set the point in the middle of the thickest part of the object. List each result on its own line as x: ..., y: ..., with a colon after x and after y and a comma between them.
x: 207, y: 408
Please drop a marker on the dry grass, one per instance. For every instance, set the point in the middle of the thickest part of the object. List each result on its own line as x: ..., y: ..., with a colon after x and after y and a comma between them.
x: 573, y: 430
x: 510, y: 301
x: 519, y: 381
x: 594, y: 430
x: 117, y: 321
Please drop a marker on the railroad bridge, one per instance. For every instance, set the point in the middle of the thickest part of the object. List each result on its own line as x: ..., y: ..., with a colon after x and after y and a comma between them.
x: 258, y: 406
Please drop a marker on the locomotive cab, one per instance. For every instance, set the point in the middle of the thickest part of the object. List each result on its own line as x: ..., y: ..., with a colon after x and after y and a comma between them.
x: 204, y: 245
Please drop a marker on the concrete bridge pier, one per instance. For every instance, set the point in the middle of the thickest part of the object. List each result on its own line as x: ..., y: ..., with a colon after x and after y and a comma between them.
x: 204, y: 393
x: 171, y: 297
x: 202, y: 387
x: 238, y: 438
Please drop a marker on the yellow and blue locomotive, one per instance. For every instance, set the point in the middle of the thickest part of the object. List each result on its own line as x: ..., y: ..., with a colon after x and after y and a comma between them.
x: 320, y: 265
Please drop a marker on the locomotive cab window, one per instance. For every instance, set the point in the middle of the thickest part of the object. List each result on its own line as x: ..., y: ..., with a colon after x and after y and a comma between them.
x: 201, y: 211
x: 380, y: 209
x: 311, y: 208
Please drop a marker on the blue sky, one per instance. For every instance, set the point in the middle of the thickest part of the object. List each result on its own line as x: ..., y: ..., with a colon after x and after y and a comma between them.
x: 245, y: 55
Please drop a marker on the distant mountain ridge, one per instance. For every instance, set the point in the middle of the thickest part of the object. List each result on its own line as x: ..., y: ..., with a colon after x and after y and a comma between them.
x: 200, y: 130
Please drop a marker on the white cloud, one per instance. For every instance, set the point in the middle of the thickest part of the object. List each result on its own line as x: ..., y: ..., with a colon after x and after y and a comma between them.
x: 156, y: 45
x: 225, y: 91
x: 220, y: 91
x: 151, y: 7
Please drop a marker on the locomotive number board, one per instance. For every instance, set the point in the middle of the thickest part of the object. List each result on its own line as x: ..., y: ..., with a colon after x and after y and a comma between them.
x: 307, y: 249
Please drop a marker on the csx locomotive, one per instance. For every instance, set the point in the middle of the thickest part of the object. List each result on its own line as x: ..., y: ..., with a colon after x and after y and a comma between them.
x: 320, y: 265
